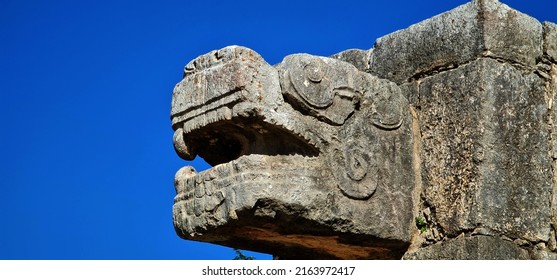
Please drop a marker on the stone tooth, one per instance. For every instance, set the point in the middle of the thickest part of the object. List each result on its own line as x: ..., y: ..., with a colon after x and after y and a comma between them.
x: 190, y: 194
x: 196, y: 123
x: 218, y: 115
x: 193, y: 123
x: 180, y: 197
x: 177, y: 211
x: 210, y: 204
x: 209, y: 187
x: 187, y: 126
x: 198, y: 180
x: 552, y: 242
x: 227, y: 113
x: 206, y: 120
x: 179, y: 185
x: 199, y: 189
x: 198, y: 206
x: 188, y: 205
x: 223, y: 171
x: 232, y: 214
x: 212, y: 116
x: 211, y: 175
x: 221, y: 114
x: 188, y: 225
x: 236, y: 167
x: 190, y: 183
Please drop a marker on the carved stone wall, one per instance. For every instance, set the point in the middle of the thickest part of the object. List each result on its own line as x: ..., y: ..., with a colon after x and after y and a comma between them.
x: 437, y: 143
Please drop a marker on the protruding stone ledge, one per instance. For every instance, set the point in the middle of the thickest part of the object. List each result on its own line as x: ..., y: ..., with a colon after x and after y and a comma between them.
x: 479, y: 28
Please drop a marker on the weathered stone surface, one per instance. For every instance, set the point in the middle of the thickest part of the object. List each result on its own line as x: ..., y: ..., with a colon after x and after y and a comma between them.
x: 479, y: 28
x: 218, y: 86
x: 550, y: 40
x: 551, y: 88
x: 331, y: 163
x: 485, y: 162
x: 552, y: 243
x: 356, y: 57
x: 438, y: 143
x: 509, y: 34
x: 543, y: 255
x: 471, y: 248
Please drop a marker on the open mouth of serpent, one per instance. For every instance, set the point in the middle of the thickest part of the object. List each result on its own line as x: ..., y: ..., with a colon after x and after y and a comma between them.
x: 227, y: 140
x: 226, y: 110
x: 242, y: 145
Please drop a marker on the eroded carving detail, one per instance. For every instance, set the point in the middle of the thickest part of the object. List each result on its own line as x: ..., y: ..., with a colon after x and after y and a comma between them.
x: 358, y: 165
x: 310, y: 83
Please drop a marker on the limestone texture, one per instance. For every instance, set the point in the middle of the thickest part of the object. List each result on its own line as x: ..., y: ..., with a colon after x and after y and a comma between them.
x: 486, y: 28
x: 484, y: 150
x: 438, y: 143
x: 472, y: 248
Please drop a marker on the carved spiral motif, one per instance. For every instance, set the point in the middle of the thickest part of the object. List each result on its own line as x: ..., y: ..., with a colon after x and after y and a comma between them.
x: 358, y: 173
x: 313, y: 86
x: 313, y: 72
x: 357, y: 163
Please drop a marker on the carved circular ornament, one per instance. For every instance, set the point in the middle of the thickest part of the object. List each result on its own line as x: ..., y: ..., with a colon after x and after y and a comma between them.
x: 357, y: 163
x: 313, y: 72
x: 357, y: 172
x: 311, y: 83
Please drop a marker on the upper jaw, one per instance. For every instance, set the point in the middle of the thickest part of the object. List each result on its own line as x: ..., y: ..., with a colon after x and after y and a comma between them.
x: 226, y: 84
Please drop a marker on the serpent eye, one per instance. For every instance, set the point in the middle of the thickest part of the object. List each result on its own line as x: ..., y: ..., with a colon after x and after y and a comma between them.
x: 313, y: 72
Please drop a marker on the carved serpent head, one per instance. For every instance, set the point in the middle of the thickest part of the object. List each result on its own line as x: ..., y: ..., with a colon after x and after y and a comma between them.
x: 309, y: 151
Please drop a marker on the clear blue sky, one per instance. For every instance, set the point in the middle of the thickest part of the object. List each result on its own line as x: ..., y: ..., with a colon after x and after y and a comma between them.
x: 87, y: 163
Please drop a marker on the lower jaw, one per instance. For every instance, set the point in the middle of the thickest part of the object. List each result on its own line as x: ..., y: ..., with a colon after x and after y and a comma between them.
x: 212, y: 198
x: 257, y: 202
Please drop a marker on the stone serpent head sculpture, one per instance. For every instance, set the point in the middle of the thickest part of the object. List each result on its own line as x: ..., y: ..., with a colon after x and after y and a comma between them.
x: 311, y: 158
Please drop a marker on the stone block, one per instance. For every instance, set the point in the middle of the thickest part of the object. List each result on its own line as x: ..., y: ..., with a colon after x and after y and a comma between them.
x: 471, y: 248
x: 485, y: 150
x: 356, y: 57
x: 476, y: 29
